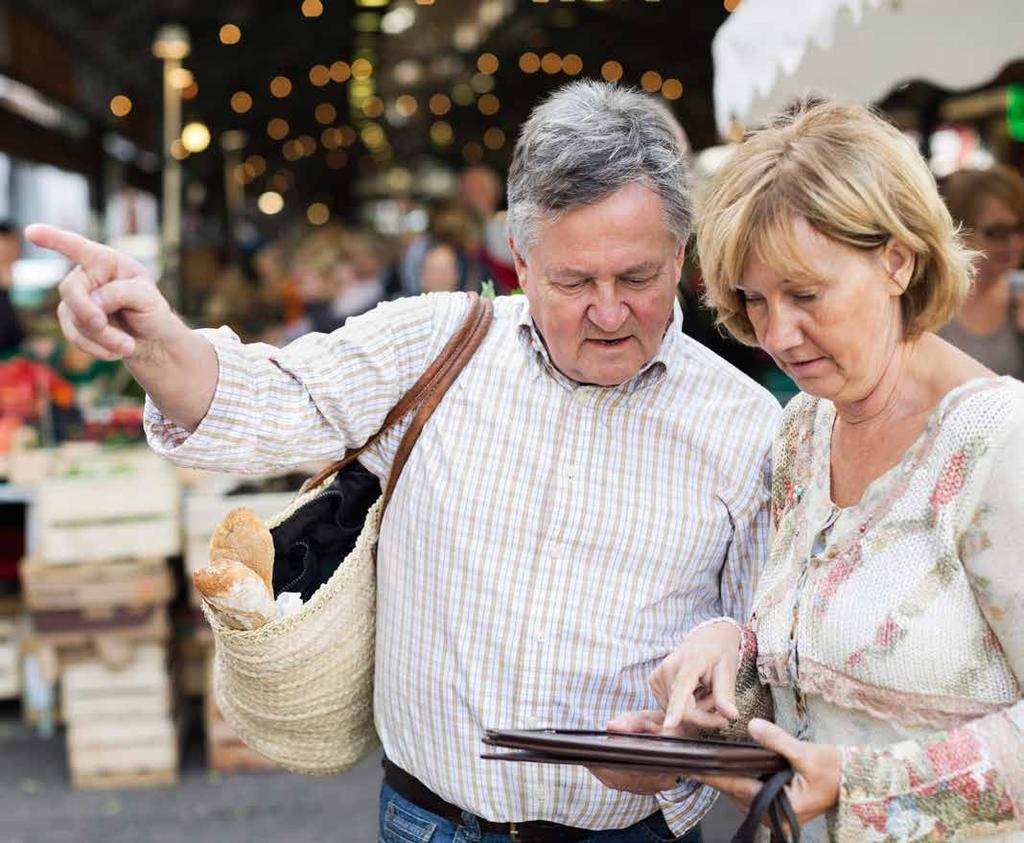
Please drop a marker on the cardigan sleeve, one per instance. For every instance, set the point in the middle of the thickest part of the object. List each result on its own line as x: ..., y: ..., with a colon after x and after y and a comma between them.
x: 969, y: 779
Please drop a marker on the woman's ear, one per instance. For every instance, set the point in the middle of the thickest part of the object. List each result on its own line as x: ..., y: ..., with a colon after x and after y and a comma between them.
x: 899, y: 262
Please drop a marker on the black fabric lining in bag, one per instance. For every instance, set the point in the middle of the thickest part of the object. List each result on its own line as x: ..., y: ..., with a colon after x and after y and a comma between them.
x: 310, y: 545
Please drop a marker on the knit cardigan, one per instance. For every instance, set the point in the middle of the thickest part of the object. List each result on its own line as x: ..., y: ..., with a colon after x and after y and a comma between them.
x: 894, y: 628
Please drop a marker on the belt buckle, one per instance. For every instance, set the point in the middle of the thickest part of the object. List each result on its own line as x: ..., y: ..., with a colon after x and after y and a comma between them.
x: 513, y: 832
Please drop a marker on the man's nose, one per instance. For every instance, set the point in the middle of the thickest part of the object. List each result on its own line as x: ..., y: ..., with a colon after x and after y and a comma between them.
x: 608, y: 312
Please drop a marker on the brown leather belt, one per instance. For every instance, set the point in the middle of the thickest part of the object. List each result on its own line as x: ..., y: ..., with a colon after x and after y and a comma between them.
x: 412, y: 789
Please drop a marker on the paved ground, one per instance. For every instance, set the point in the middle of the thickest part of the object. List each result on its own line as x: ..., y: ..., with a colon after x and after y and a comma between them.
x: 38, y: 806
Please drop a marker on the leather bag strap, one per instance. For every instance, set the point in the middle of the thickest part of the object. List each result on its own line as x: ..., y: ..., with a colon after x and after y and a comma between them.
x: 430, y: 387
x: 772, y: 803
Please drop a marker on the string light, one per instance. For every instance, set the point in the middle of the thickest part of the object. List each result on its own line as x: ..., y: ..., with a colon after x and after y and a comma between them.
x: 230, y: 34
x: 120, y: 106
x: 278, y: 128
x: 487, y: 63
x: 572, y: 64
x: 440, y: 104
x: 271, y: 202
x: 319, y: 75
x: 406, y: 105
x: 362, y: 69
x: 472, y: 152
x: 551, y: 63
x: 651, y: 81
x: 340, y: 71
x: 611, y: 71
x: 441, y: 133
x: 488, y: 104
x: 325, y: 113
x: 195, y: 137
x: 494, y: 138
x: 672, y: 89
x: 312, y: 8
x: 241, y: 102
x: 337, y: 158
x: 731, y: 5
x: 529, y: 62
x: 318, y: 213
x: 280, y: 86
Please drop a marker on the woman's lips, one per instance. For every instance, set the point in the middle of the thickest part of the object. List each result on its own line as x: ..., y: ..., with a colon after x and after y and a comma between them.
x: 805, y: 367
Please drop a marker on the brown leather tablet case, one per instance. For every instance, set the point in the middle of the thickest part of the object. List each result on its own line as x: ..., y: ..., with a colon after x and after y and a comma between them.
x: 652, y: 753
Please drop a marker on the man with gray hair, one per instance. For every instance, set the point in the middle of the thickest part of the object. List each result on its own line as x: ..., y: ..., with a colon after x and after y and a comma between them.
x: 593, y: 486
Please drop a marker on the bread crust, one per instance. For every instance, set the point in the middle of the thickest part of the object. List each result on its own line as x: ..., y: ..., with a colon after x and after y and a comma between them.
x: 242, y: 536
x: 236, y: 593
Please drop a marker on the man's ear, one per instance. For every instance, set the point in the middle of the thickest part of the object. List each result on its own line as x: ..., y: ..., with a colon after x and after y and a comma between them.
x: 679, y: 261
x: 899, y: 263
x: 520, y: 264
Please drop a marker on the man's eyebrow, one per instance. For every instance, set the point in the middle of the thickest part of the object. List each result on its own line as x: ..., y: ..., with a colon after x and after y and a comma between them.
x: 568, y: 272
x: 640, y: 268
x: 573, y: 272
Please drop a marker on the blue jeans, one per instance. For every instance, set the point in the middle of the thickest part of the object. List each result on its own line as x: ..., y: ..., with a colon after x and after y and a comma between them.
x: 402, y: 822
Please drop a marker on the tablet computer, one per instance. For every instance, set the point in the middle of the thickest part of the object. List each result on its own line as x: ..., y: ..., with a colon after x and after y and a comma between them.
x: 624, y: 749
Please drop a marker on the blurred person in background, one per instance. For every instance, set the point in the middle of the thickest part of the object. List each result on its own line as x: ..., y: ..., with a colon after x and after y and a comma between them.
x: 989, y: 204
x: 481, y: 191
x: 337, y: 275
x: 11, y: 332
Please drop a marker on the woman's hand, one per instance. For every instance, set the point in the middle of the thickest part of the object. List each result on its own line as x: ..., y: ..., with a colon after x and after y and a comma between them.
x: 814, y: 788
x: 696, y: 685
x: 646, y: 784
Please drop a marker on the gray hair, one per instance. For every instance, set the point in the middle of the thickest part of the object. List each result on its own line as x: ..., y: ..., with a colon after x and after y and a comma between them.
x: 586, y: 141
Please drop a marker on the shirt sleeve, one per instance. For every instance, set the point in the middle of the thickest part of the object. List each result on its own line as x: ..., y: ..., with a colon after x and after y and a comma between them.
x: 968, y: 779
x: 313, y: 399
x: 749, y: 546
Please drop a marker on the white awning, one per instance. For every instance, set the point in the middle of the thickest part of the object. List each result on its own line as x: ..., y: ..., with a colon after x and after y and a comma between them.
x: 771, y: 52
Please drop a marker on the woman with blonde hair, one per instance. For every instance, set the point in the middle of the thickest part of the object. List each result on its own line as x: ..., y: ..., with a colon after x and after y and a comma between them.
x: 887, y: 636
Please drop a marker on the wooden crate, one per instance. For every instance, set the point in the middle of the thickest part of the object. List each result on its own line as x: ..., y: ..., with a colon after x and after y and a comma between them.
x: 97, y: 585
x: 119, y: 626
x: 113, y: 506
x: 101, y: 752
x: 93, y: 690
x: 225, y: 751
x: 10, y: 657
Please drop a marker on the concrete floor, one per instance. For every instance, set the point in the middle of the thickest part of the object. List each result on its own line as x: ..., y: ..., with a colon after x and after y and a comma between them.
x: 37, y: 804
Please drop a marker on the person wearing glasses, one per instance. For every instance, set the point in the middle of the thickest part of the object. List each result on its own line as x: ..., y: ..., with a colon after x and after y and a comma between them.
x: 989, y: 205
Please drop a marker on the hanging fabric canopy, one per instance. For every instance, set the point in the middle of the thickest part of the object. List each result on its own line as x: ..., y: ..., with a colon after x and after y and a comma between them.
x: 771, y: 52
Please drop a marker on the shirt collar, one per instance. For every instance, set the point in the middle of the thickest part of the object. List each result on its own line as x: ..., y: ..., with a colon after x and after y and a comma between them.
x: 652, y: 371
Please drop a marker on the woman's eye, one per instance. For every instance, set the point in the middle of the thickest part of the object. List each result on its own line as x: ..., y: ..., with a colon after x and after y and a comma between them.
x: 805, y: 297
x: 753, y: 301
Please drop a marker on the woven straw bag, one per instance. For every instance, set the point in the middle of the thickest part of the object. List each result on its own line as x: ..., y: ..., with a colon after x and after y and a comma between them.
x: 299, y: 690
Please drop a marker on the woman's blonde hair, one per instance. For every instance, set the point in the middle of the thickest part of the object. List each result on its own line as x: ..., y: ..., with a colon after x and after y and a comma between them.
x: 856, y: 180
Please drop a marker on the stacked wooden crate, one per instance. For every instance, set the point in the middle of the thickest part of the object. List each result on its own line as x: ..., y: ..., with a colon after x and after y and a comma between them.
x: 97, y: 585
x: 10, y: 649
x: 121, y: 730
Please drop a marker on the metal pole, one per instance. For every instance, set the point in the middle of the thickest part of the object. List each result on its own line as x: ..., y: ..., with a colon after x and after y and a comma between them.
x: 171, y: 227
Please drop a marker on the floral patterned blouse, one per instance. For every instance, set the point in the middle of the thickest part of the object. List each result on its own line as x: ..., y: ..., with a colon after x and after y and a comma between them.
x: 895, y: 627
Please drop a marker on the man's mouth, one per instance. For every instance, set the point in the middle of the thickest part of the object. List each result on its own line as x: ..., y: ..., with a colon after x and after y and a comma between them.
x: 610, y: 343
